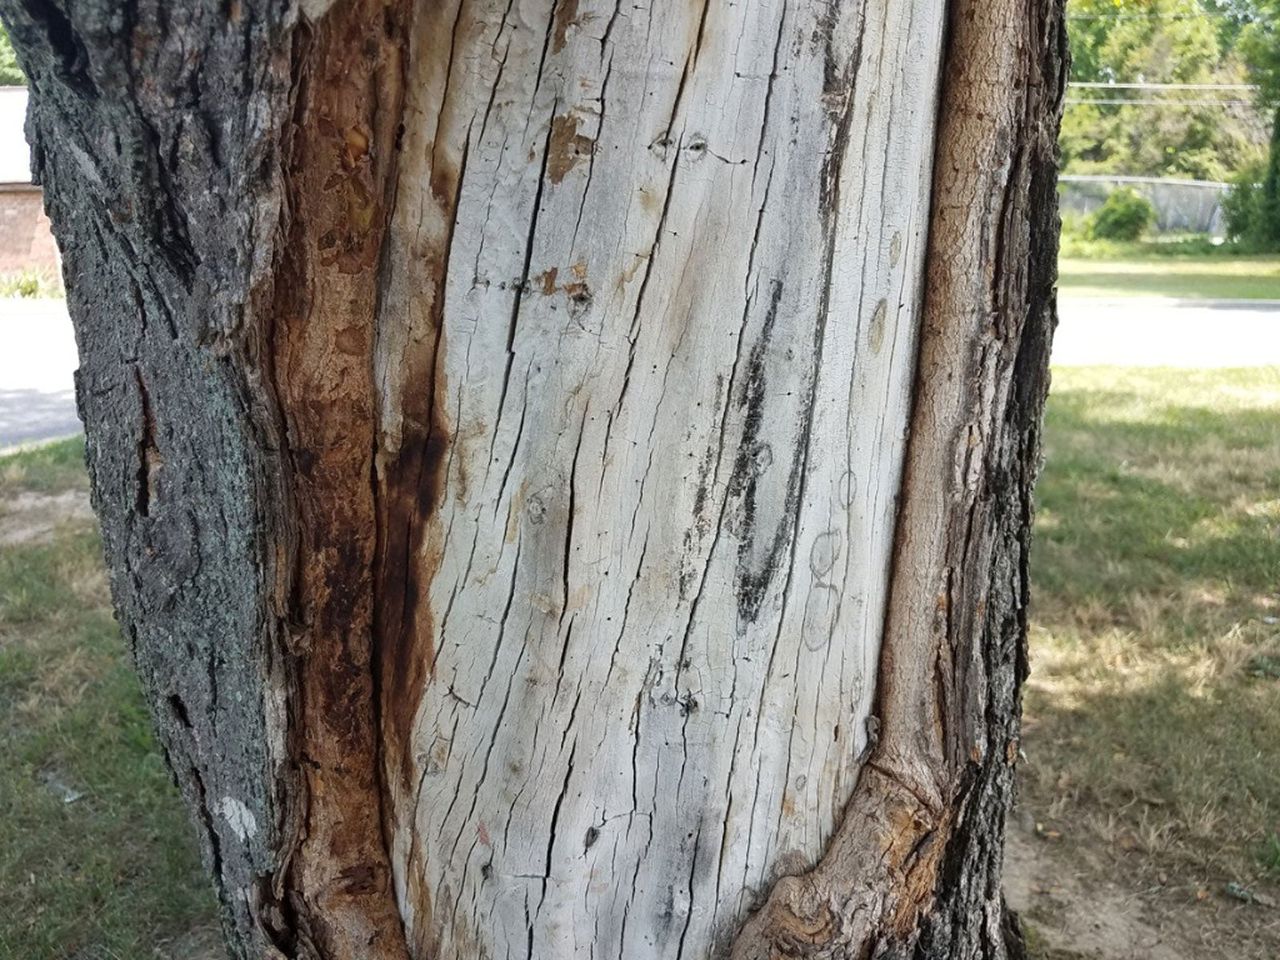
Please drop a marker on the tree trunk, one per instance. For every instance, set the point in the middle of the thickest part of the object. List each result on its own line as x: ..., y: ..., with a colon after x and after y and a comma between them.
x: 566, y: 467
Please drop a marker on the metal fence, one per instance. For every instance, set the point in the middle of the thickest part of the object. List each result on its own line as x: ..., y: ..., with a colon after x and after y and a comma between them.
x: 1182, y: 206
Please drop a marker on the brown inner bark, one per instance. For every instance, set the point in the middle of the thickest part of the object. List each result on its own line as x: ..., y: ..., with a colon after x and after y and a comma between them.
x: 340, y: 174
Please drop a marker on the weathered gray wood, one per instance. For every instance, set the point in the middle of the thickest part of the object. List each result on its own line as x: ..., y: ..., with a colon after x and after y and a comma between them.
x: 914, y: 869
x: 664, y: 267
x: 497, y: 415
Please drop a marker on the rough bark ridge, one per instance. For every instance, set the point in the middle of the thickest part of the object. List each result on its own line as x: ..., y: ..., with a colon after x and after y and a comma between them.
x: 154, y: 129
x: 463, y: 633
x: 217, y: 176
x: 914, y: 870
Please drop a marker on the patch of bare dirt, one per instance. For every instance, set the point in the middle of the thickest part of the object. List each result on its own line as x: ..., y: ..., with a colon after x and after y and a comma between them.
x: 1082, y: 901
x: 33, y: 517
x: 202, y: 943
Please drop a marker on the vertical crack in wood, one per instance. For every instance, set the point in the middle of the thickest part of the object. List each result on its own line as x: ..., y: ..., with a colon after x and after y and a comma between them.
x: 913, y: 869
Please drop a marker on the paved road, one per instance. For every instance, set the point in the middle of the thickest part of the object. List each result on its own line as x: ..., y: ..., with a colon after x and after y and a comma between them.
x: 37, y: 364
x: 38, y: 350
x: 1144, y: 332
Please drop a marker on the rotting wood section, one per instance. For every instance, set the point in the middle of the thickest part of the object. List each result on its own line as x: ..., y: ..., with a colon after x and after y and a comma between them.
x: 339, y: 172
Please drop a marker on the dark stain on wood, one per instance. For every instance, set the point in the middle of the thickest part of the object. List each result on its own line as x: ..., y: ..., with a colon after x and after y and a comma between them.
x: 412, y: 477
x: 349, y: 76
x: 566, y: 16
x: 410, y: 496
x: 760, y: 553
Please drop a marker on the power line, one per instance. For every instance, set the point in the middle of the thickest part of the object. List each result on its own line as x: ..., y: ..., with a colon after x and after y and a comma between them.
x: 1102, y: 85
x: 1119, y: 101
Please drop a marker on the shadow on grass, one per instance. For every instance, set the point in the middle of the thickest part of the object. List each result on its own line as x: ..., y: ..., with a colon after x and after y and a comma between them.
x: 1155, y: 578
x: 1136, y: 496
x: 97, y: 857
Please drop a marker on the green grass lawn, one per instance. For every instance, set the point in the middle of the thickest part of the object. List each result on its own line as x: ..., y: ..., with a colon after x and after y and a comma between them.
x: 1190, y: 278
x: 1189, y: 268
x: 1153, y: 711
x: 97, y: 859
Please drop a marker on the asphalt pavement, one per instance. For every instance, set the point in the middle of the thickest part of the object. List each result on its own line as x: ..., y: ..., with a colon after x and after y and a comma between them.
x: 38, y: 349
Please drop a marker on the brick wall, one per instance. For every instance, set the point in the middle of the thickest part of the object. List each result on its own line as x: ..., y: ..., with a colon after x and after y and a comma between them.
x: 25, y: 240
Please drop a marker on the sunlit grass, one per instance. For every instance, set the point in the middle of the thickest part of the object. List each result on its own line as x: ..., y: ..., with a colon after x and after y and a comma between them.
x: 1156, y: 579
x: 46, y: 468
x: 1181, y: 277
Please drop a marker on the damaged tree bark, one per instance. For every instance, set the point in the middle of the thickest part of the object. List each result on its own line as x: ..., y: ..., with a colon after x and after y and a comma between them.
x: 565, y: 467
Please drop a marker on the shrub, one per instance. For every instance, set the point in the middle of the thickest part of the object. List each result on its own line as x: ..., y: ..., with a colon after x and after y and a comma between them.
x: 30, y: 284
x: 1124, y: 215
x: 1240, y: 204
x: 1251, y: 215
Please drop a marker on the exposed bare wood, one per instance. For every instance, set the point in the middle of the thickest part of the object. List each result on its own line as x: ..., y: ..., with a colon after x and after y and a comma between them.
x: 914, y: 868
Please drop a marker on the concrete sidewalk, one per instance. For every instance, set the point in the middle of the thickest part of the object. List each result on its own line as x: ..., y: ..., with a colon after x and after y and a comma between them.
x: 37, y: 372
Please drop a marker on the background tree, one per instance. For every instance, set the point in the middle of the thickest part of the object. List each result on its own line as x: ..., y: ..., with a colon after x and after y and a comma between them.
x: 10, y: 72
x: 1157, y: 41
x: 565, y: 468
x: 1260, y: 46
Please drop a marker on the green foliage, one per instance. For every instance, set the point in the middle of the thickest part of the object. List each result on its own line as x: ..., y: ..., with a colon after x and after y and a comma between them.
x: 1252, y: 206
x: 1242, y: 205
x: 10, y: 73
x: 31, y: 284
x: 1124, y: 215
x: 1260, y: 48
x: 1259, y: 45
x: 1077, y: 244
x: 1156, y: 41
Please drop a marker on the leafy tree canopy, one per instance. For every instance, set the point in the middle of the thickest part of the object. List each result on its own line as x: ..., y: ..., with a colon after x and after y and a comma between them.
x: 1259, y: 45
x: 10, y: 72
x: 1165, y: 41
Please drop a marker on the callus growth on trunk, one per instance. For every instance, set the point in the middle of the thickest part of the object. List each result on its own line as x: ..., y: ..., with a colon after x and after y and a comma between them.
x: 565, y: 467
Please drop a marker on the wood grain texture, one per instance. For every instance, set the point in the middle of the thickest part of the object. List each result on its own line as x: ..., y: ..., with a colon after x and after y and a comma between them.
x: 654, y: 274
x: 914, y: 870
